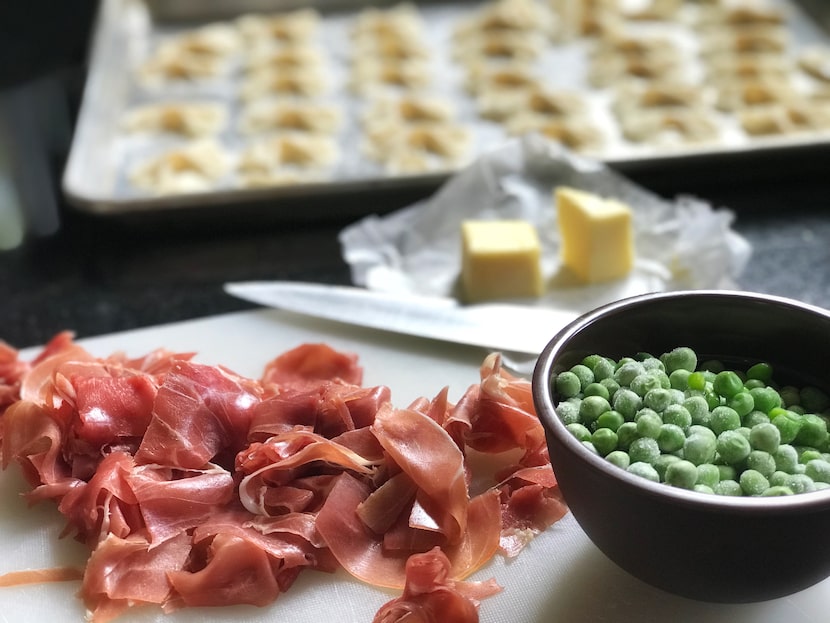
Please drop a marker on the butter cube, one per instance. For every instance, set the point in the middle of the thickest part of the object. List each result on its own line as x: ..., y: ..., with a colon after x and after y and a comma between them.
x: 597, y: 241
x: 500, y: 260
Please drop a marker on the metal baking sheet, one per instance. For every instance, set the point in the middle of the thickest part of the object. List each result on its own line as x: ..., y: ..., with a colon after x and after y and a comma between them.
x: 104, y: 155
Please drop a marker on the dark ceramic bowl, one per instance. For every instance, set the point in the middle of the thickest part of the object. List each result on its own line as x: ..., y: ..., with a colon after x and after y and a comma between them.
x: 702, y: 546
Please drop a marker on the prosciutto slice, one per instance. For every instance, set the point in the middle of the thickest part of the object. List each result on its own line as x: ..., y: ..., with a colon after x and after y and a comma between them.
x: 194, y: 486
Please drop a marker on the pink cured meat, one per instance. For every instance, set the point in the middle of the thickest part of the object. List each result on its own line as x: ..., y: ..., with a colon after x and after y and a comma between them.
x: 194, y: 486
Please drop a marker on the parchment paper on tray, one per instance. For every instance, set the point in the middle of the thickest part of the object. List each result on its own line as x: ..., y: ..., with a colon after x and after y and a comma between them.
x: 680, y: 244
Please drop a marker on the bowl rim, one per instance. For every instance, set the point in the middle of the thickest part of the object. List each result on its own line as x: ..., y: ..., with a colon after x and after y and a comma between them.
x: 809, y: 501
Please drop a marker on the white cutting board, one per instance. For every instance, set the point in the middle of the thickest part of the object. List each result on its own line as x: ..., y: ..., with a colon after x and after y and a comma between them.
x: 560, y: 577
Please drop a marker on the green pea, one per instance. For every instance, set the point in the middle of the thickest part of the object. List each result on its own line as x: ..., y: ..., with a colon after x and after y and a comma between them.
x: 680, y: 358
x: 682, y: 474
x: 597, y: 389
x: 761, y: 371
x: 627, y: 372
x: 604, y: 440
x: 703, y: 489
x: 696, y: 381
x: 713, y: 398
x: 590, y: 447
x: 753, y: 383
x: 679, y: 379
x: 786, y: 458
x: 648, y: 423
x: 603, y: 369
x: 567, y: 384
x: 774, y: 491
x: 626, y: 434
x: 652, y: 363
x: 762, y: 462
x: 708, y: 474
x: 742, y: 403
x: 699, y: 449
x: 727, y: 383
x: 753, y: 418
x: 611, y: 420
x: 658, y: 399
x: 644, y: 470
x: 644, y: 383
x: 592, y: 407
x: 765, y: 399
x: 732, y: 447
x: 670, y: 438
x: 753, y: 483
x: 698, y: 408
x: 591, y: 360
x: 580, y: 431
x: 779, y: 479
x: 788, y: 423
x: 644, y: 450
x: 568, y: 412
x: 818, y: 470
x: 801, y: 483
x: 726, y: 472
x: 611, y: 385
x: 627, y: 403
x: 618, y: 458
x: 584, y: 374
x: 813, y: 430
x: 765, y: 436
x: 728, y: 487
x: 662, y: 463
x: 724, y: 418
x: 678, y: 415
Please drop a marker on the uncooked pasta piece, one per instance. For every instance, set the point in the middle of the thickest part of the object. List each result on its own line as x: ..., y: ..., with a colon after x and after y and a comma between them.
x: 575, y: 134
x: 286, y: 115
x: 196, y: 167
x: 657, y: 95
x: 608, y: 71
x: 280, y: 57
x: 659, y: 127
x: 297, y: 81
x: 510, y: 46
x: 369, y: 73
x: 500, y: 105
x: 401, y: 20
x: 508, y: 16
x: 740, y: 95
x: 291, y: 26
x: 741, y: 14
x: 485, y: 78
x: 420, y: 148
x: 168, y: 67
x: 407, y: 110
x: 298, y: 151
x: 194, y: 119
x: 729, y: 68
x: 743, y: 41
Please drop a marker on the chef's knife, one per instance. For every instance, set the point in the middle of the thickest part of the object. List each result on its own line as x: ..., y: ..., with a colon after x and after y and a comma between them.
x: 498, y: 326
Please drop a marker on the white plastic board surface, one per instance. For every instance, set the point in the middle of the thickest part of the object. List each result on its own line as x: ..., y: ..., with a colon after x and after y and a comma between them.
x: 560, y: 577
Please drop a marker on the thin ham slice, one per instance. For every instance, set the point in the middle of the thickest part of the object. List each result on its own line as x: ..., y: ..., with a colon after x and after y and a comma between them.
x: 313, y: 362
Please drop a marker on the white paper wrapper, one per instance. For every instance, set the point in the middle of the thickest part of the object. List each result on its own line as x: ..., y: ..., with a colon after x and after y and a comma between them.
x: 681, y: 244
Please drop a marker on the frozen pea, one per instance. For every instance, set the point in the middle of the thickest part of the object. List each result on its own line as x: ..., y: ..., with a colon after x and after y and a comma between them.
x: 681, y: 474
x: 788, y: 423
x: 680, y: 358
x: 713, y: 398
x: 644, y: 383
x: 743, y: 430
x: 628, y: 371
x: 779, y: 479
x: 726, y: 472
x: 644, y: 470
x: 703, y: 489
x: 679, y: 379
x: 603, y: 369
x: 568, y: 412
x: 820, y: 486
x: 761, y: 371
x: 580, y: 431
x: 591, y: 360
x: 774, y: 491
x: 592, y: 407
x: 648, y: 423
x: 626, y: 434
x: 753, y: 383
x: 618, y: 458
x: 696, y: 429
x: 584, y: 374
x: 813, y: 430
x: 658, y: 399
x: 765, y: 398
x: 728, y: 487
x: 644, y: 450
x: 678, y: 415
x: 801, y: 483
x: 699, y: 449
x: 597, y: 389
x: 762, y: 462
x: 742, y: 403
x: 698, y: 408
x: 724, y: 418
x: 789, y: 396
x: 764, y: 437
x: 610, y: 419
x: 805, y: 455
x: 670, y: 438
x: 813, y: 399
x: 652, y: 363
x: 697, y: 381
x: 708, y: 474
x: 786, y: 458
x: 727, y: 383
x: 661, y: 464
x: 818, y: 470
x: 627, y: 403
x: 567, y: 384
x: 611, y: 385
x: 604, y: 440
x: 753, y: 482
x: 732, y: 447
x: 755, y: 417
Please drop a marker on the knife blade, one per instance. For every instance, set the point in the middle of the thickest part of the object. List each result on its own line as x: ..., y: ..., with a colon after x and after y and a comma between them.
x: 498, y: 326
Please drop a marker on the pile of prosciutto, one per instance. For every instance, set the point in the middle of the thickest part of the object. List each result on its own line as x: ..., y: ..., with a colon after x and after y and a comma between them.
x: 195, y: 486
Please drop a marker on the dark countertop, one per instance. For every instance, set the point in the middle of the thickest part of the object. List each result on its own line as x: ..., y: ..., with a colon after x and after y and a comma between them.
x: 98, y: 275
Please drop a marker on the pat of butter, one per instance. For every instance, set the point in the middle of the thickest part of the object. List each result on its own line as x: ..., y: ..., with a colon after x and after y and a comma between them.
x: 597, y: 241
x: 500, y: 260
